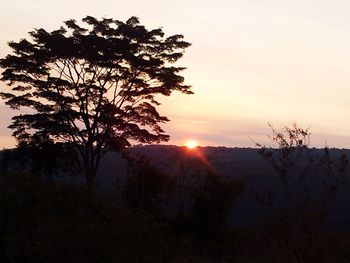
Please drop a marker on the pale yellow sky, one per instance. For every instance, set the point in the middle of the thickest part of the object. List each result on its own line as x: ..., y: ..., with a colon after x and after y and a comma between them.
x: 251, y: 62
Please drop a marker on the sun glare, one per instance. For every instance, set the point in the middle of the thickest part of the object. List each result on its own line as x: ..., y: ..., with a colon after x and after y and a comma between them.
x: 191, y: 144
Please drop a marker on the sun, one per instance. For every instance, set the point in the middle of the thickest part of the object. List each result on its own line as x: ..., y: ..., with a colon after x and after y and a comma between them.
x: 191, y: 144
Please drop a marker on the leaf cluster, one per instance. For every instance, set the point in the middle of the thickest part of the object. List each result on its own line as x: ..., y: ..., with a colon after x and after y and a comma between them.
x: 94, y: 82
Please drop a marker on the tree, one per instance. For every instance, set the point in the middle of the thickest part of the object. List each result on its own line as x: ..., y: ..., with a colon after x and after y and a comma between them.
x: 213, y: 197
x: 95, y: 87
x: 310, y: 181
x: 41, y: 158
x: 146, y: 187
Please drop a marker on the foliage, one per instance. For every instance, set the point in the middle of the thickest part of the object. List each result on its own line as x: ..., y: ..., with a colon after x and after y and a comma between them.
x: 41, y: 158
x: 47, y: 222
x: 300, y: 170
x: 272, y: 244
x: 93, y: 87
x: 186, y: 167
x: 42, y: 221
x: 146, y: 187
x: 310, y: 184
x: 213, y: 199
x: 291, y: 142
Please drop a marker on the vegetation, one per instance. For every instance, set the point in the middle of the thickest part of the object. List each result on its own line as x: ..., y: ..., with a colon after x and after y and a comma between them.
x: 44, y: 158
x: 146, y: 188
x: 47, y: 221
x: 309, y: 184
x: 300, y: 170
x: 92, y: 88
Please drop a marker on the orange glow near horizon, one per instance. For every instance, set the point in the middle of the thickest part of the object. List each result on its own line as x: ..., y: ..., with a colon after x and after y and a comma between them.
x: 191, y: 144
x: 278, y: 62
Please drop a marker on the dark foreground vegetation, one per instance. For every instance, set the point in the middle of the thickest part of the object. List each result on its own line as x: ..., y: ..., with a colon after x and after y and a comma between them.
x: 50, y: 222
x: 182, y: 218
x: 46, y: 221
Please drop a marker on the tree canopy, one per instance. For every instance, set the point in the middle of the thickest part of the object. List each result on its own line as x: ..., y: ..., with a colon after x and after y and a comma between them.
x: 93, y: 85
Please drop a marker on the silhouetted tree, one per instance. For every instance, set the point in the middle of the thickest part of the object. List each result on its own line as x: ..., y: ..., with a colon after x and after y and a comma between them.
x: 310, y: 183
x: 42, y: 157
x: 297, y: 164
x: 146, y: 187
x: 213, y: 198
x: 93, y: 87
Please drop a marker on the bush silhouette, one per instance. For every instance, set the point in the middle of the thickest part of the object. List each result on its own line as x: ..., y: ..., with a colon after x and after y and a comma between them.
x: 146, y: 187
x: 213, y: 198
x: 48, y: 222
x: 310, y: 184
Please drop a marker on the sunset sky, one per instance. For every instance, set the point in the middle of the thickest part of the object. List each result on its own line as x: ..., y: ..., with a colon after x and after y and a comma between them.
x: 251, y: 62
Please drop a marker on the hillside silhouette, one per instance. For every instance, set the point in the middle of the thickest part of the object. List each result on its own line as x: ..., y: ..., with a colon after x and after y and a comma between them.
x: 163, y: 202
x: 240, y: 164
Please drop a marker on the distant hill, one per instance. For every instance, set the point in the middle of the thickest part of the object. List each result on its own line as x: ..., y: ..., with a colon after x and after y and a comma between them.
x: 243, y: 164
x: 238, y: 164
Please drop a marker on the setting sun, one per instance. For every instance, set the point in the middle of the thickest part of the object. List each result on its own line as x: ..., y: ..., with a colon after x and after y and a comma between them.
x: 191, y: 144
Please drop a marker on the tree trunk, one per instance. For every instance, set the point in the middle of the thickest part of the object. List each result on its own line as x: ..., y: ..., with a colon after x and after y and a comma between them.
x: 90, y: 178
x: 90, y: 162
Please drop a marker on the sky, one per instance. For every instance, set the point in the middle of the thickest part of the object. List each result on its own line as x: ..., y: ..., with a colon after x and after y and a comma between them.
x: 251, y: 63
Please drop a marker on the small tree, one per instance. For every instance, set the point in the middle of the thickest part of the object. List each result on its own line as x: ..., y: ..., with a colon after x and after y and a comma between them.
x: 301, y: 169
x: 41, y: 158
x: 146, y: 187
x: 310, y: 180
x: 213, y: 198
x: 93, y: 87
